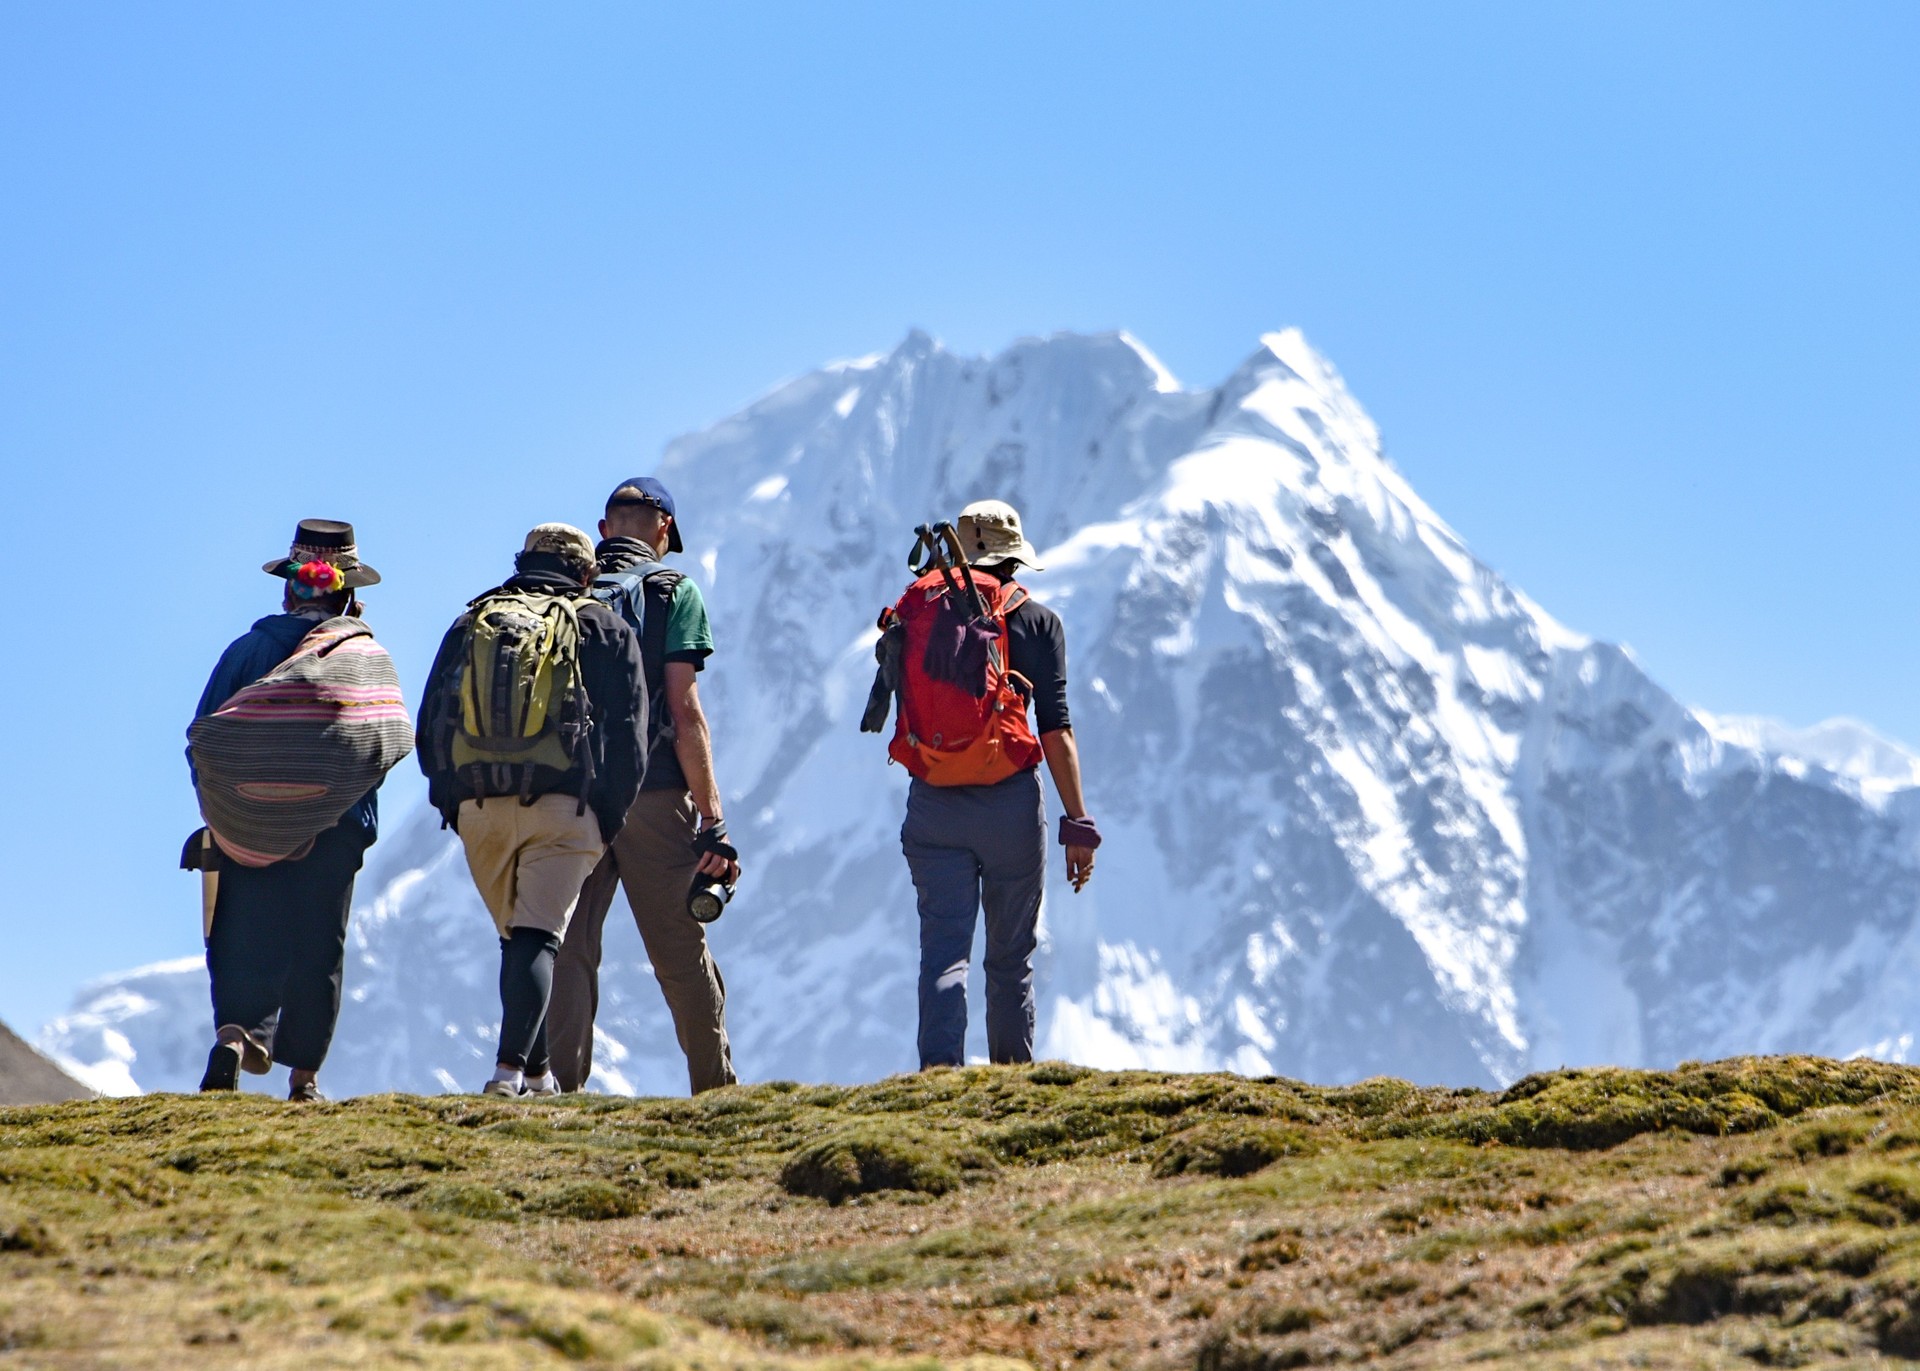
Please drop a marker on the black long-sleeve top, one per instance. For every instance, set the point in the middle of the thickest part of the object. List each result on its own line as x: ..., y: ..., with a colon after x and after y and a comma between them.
x: 1037, y: 649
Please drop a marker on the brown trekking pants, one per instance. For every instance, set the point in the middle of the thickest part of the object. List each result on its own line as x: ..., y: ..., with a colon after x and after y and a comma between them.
x: 652, y: 857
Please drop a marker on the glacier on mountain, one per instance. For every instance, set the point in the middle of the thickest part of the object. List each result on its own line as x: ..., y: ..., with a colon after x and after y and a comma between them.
x: 1369, y: 810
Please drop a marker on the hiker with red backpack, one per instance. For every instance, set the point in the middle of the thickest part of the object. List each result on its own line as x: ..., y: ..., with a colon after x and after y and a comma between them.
x: 964, y: 653
x: 533, y: 740
x: 672, y: 856
x: 299, y: 723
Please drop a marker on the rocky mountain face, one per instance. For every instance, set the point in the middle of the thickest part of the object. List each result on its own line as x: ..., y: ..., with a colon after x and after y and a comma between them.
x: 1369, y: 810
x: 26, y: 1077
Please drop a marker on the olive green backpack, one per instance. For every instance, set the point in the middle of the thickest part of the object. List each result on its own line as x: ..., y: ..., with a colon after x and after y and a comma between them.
x: 524, y: 718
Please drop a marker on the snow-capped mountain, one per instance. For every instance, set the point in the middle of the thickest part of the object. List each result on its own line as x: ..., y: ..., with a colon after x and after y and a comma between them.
x: 1368, y: 808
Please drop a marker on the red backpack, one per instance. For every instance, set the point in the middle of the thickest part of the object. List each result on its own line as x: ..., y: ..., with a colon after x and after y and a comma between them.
x: 945, y: 733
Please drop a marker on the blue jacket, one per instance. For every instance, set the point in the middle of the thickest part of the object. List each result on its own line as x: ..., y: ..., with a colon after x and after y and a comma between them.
x: 249, y: 657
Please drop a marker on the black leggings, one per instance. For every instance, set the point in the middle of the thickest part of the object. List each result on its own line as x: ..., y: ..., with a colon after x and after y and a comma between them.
x: 526, y: 985
x: 278, y: 943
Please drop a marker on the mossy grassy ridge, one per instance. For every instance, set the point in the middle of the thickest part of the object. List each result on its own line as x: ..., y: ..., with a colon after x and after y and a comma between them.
x: 1603, y: 1107
x: 1761, y: 1210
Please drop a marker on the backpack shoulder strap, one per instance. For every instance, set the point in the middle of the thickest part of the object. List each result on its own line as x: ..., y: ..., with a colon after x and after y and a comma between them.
x: 494, y: 593
x: 625, y: 590
x: 660, y: 574
x: 609, y: 583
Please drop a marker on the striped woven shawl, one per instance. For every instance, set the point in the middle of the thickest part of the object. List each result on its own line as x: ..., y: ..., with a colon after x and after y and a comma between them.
x: 282, y: 760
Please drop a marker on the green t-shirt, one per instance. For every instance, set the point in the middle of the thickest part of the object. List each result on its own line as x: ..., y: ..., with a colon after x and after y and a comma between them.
x: 689, y: 635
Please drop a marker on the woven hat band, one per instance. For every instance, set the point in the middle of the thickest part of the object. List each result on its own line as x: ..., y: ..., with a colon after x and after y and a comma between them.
x: 346, y: 558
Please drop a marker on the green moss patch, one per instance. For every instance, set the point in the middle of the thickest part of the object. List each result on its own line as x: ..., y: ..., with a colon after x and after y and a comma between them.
x: 1233, y: 1147
x: 864, y: 1160
x: 1603, y: 1107
x: 591, y: 1200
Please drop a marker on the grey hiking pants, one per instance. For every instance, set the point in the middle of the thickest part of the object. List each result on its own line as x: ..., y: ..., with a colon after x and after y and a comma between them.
x: 969, y: 847
x: 652, y: 858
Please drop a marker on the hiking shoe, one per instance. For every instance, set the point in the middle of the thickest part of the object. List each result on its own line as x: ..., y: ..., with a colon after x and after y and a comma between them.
x: 307, y: 1092
x: 547, y: 1085
x: 223, y: 1068
x: 509, y: 1090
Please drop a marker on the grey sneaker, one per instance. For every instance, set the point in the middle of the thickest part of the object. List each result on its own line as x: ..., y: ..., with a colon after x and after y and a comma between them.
x: 506, y: 1090
x: 546, y: 1085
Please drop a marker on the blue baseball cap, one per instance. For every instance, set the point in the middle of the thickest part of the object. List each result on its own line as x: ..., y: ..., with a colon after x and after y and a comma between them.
x: 645, y: 490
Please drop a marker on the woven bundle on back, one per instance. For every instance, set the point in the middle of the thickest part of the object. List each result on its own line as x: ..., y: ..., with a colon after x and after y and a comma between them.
x: 287, y: 756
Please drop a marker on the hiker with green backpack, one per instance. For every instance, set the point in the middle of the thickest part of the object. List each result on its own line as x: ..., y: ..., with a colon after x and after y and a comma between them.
x: 299, y: 723
x: 532, y: 736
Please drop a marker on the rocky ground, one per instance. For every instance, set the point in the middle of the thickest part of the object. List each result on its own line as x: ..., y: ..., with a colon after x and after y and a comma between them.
x: 1750, y: 1212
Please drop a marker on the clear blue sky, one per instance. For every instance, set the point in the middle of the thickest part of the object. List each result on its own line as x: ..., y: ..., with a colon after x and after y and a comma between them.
x: 1633, y: 291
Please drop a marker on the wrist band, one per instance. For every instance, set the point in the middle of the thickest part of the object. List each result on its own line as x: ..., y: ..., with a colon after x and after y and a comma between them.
x: 1079, y: 832
x: 713, y: 840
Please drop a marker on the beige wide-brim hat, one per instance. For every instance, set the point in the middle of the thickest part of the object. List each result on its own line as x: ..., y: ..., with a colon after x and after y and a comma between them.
x: 990, y: 533
x: 325, y: 540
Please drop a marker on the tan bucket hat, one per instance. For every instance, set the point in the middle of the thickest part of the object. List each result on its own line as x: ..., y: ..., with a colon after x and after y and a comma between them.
x: 990, y: 533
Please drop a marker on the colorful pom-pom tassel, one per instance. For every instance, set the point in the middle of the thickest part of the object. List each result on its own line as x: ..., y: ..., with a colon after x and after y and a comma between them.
x: 322, y: 578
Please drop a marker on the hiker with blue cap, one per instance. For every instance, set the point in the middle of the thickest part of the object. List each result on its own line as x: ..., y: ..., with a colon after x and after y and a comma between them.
x: 672, y: 855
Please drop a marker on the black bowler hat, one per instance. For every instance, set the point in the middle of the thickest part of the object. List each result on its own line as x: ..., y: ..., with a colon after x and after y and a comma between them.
x: 325, y: 540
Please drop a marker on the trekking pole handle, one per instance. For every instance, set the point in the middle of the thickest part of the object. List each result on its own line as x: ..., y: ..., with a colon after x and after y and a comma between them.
x: 937, y: 557
x: 959, y: 555
x: 924, y: 541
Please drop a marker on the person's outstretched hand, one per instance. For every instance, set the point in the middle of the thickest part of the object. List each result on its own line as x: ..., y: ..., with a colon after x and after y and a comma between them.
x: 1079, y: 866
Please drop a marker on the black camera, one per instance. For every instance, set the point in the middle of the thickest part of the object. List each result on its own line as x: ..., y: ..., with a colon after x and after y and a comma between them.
x: 707, y: 899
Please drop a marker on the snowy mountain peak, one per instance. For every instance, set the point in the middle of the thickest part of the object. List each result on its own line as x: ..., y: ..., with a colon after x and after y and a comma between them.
x: 1843, y: 747
x: 1164, y: 380
x: 1368, y: 808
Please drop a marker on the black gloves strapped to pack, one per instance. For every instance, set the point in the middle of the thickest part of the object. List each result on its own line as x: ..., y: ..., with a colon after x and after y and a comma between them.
x: 1079, y: 832
x: 886, y: 680
x: 959, y: 648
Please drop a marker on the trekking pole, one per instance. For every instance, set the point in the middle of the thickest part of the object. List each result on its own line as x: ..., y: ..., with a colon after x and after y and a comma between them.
x: 923, y: 543
x: 959, y: 553
x: 926, y: 550
x: 930, y: 539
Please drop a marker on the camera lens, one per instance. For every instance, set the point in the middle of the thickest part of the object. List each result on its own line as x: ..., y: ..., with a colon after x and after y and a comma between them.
x: 708, y: 898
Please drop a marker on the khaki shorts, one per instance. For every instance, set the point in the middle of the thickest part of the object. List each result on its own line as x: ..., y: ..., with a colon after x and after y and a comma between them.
x: 530, y: 860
